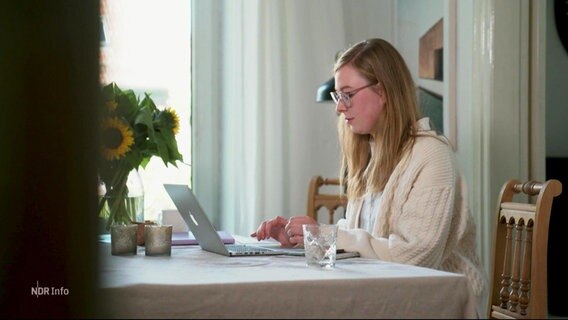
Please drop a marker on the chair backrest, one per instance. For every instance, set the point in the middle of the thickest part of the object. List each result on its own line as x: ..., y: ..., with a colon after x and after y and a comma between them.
x: 317, y: 200
x: 518, y: 283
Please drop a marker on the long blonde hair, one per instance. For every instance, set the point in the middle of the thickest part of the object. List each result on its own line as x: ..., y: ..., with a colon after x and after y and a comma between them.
x: 378, y: 61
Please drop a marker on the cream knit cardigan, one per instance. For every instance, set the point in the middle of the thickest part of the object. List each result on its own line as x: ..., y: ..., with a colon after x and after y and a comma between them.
x: 424, y: 219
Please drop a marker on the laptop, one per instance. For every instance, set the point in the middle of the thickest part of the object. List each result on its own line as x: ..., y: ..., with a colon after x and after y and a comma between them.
x: 210, y: 240
x: 204, y: 232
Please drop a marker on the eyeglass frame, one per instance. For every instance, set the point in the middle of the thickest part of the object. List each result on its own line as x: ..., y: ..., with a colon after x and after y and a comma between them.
x: 347, y: 96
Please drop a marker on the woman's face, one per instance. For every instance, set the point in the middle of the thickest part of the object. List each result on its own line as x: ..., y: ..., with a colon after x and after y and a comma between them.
x: 366, y: 111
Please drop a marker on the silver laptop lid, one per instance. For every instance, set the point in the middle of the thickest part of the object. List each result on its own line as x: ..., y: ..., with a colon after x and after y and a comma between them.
x: 192, y: 213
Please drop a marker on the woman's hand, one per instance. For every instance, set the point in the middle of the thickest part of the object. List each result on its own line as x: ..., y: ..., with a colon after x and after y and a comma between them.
x: 294, y: 229
x: 273, y: 228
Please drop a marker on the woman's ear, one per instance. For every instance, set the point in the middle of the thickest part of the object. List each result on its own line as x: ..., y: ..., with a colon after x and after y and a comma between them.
x: 381, y: 92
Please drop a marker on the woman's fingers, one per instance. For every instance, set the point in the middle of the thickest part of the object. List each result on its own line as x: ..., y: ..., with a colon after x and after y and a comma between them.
x: 286, y: 231
x: 273, y: 226
x: 294, y: 226
x: 294, y: 229
x: 259, y: 234
x: 297, y: 240
x: 270, y: 229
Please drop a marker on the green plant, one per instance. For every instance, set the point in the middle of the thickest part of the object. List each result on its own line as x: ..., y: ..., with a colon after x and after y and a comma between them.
x: 131, y: 133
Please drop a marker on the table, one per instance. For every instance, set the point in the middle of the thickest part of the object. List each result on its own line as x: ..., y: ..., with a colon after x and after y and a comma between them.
x: 192, y: 283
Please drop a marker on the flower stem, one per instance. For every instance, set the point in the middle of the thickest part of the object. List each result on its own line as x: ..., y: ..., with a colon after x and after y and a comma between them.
x: 120, y: 209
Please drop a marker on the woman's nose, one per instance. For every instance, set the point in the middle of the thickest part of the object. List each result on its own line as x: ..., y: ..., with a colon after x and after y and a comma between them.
x: 340, y: 107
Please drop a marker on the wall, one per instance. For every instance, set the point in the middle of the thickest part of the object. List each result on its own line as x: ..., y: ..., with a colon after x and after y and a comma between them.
x: 368, y: 19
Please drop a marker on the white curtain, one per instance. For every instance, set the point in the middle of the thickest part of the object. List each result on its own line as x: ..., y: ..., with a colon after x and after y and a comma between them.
x: 274, y: 137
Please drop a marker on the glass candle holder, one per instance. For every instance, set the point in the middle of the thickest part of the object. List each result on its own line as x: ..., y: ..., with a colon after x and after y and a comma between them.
x: 158, y: 240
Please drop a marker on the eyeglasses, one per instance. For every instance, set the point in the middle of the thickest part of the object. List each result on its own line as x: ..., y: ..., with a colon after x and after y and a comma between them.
x: 345, y: 97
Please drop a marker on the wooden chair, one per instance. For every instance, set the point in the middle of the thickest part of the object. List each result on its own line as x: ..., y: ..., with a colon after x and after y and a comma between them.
x: 518, y: 279
x: 317, y: 200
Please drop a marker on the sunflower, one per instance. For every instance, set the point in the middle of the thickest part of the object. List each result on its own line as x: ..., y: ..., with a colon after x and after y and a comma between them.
x: 173, y: 119
x: 117, y: 138
x: 111, y: 105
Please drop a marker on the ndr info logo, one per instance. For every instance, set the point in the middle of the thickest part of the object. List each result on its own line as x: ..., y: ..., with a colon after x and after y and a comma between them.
x: 48, y: 291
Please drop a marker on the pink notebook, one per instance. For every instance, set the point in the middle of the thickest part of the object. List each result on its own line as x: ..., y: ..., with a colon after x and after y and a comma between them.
x: 187, y: 238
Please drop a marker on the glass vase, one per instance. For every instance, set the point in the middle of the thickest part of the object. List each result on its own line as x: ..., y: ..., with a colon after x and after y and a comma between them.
x: 131, y: 208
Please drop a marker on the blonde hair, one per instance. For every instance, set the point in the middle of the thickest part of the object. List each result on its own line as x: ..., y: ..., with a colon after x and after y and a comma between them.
x: 378, y: 61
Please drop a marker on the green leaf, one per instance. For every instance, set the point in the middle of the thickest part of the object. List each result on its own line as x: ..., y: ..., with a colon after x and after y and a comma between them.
x: 153, y: 136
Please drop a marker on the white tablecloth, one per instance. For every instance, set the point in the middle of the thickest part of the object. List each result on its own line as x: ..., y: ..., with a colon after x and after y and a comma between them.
x: 193, y: 283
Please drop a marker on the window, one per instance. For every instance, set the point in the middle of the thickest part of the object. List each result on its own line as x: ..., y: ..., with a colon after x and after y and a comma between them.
x: 146, y: 48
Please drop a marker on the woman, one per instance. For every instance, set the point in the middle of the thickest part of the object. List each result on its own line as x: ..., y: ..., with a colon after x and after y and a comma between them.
x: 407, y: 199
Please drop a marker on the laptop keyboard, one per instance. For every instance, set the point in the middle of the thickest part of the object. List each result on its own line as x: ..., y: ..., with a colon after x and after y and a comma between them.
x: 246, y: 250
